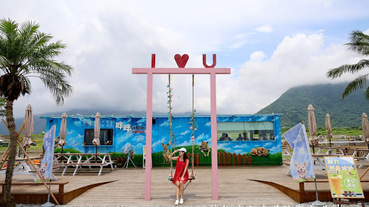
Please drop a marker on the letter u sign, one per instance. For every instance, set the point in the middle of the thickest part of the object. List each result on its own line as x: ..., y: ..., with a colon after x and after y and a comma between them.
x: 204, y: 61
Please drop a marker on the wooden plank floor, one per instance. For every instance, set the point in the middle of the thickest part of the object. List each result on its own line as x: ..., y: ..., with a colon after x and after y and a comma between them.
x: 234, y: 188
x: 128, y: 189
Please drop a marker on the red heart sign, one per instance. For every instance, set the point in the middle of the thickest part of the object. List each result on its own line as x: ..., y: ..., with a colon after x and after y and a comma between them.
x: 181, y: 60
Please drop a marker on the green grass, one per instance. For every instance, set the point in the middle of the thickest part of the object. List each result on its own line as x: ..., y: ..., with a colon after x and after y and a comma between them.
x: 346, y: 131
x: 36, y: 138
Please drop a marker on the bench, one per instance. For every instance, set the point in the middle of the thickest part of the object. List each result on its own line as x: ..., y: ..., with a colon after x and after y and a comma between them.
x: 60, y: 184
x: 302, y: 184
x: 76, y: 165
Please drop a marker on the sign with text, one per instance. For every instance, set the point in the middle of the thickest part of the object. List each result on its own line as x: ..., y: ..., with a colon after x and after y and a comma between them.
x: 343, y: 178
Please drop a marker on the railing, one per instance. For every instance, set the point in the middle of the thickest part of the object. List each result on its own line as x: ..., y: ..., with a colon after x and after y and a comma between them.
x: 229, y: 159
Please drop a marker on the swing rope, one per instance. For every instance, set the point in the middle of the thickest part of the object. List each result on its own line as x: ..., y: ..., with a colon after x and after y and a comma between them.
x: 193, y: 127
x: 170, y: 126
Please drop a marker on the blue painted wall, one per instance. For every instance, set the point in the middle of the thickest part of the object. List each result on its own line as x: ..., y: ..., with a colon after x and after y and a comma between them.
x: 132, y: 130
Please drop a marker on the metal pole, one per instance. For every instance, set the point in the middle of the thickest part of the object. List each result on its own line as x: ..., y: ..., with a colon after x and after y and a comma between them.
x: 48, y: 204
x: 317, y: 202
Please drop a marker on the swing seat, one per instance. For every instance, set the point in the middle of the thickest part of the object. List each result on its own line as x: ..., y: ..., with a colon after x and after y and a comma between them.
x: 190, y: 178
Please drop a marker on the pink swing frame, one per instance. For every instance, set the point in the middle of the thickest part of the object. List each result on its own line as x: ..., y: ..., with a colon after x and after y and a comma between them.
x: 207, y: 70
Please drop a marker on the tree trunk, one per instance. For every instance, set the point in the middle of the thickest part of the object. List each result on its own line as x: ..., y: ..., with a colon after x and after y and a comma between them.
x: 8, y: 200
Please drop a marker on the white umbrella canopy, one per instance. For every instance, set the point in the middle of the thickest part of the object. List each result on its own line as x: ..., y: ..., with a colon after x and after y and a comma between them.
x: 365, y: 126
x: 96, y: 140
x: 63, y: 130
x: 328, y: 127
x: 28, y: 128
x: 312, y: 126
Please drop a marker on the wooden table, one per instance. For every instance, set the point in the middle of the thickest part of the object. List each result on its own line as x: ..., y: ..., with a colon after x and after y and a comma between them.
x: 363, y: 158
x: 286, y: 154
x: 344, y: 142
x: 83, y: 159
x: 319, y: 161
x: 335, y: 150
x: 23, y: 167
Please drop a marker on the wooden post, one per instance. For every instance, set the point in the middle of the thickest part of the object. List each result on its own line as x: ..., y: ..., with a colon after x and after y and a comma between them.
x: 229, y: 155
x: 197, y: 156
x: 234, y: 159
x: 224, y: 154
x: 239, y: 160
x: 219, y: 158
x: 249, y: 160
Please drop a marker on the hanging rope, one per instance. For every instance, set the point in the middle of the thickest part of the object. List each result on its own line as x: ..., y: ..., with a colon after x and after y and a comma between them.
x: 194, y: 128
x: 171, y: 134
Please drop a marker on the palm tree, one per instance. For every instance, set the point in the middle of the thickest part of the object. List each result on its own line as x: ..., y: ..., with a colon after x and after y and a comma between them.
x: 360, y: 44
x: 25, y: 52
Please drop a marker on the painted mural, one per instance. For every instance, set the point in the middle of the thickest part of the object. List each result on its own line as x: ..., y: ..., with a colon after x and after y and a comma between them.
x: 242, y: 139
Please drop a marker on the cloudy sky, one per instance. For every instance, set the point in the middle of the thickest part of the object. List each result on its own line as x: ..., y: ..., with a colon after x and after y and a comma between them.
x: 270, y: 46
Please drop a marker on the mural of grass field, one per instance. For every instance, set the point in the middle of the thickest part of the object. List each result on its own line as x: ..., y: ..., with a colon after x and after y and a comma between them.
x: 158, y: 159
x: 270, y: 160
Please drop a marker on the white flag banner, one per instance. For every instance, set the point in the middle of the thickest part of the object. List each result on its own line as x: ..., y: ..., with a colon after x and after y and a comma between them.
x: 46, y: 169
x: 301, y: 161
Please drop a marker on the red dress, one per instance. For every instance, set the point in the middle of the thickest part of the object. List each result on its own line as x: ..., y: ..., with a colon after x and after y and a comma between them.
x: 180, y: 166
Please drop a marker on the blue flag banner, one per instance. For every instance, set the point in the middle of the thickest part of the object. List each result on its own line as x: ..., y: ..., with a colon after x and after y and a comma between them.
x: 301, y: 161
x: 47, y: 162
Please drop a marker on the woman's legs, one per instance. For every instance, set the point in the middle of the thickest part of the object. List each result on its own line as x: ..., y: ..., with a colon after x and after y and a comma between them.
x: 177, y: 189
x: 181, y: 188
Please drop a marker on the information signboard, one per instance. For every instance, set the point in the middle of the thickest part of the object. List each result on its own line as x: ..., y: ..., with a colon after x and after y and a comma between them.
x: 343, y: 177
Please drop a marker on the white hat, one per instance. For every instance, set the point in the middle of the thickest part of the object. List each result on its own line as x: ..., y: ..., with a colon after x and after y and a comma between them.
x: 182, y: 149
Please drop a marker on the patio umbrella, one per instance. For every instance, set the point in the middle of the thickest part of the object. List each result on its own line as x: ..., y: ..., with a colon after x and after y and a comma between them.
x: 365, y: 126
x: 63, y: 131
x: 96, y: 140
x: 312, y: 126
x: 28, y: 128
x: 328, y: 127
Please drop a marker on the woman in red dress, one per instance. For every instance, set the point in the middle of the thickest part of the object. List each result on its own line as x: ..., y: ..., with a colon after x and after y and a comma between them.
x: 181, y: 175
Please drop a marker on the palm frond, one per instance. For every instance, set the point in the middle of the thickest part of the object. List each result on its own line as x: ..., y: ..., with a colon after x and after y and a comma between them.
x: 54, y: 81
x: 359, y: 82
x: 25, y: 51
x: 359, y: 42
x: 8, y: 28
x: 354, y: 68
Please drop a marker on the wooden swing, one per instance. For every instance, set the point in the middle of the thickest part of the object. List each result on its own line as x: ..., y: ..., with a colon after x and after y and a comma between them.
x: 192, y: 175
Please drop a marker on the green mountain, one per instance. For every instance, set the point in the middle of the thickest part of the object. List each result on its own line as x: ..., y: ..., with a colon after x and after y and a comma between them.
x: 292, y: 104
x: 325, y: 98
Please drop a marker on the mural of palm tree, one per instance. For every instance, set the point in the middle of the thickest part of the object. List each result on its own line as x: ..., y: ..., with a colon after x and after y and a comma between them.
x: 359, y: 42
x: 26, y: 52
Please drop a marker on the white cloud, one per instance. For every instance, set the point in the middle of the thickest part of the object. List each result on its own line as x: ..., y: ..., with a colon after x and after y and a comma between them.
x: 106, y: 40
x: 298, y: 60
x: 257, y: 56
x: 265, y: 28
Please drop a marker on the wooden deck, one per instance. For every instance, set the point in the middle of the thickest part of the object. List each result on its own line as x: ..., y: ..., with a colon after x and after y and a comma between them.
x: 247, y: 185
